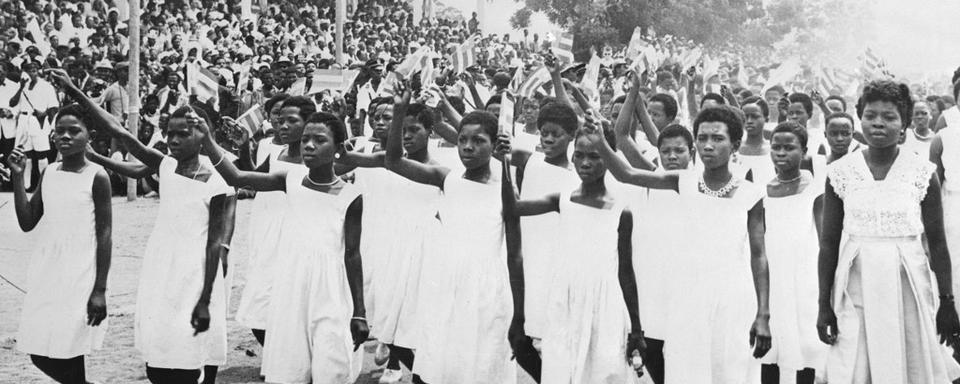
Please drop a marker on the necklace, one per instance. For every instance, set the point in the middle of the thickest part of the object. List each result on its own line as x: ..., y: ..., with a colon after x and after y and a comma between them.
x: 723, y: 191
x: 330, y: 184
x: 793, y: 180
x: 926, y: 137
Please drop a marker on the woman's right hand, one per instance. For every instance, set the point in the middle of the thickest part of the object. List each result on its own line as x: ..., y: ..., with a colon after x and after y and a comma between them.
x: 948, y: 325
x: 827, y: 325
x: 17, y: 161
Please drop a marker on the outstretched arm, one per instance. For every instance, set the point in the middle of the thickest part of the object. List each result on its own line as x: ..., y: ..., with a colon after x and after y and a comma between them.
x: 624, y: 129
x: 125, y: 168
x: 257, y: 181
x: 148, y: 156
x: 623, y: 171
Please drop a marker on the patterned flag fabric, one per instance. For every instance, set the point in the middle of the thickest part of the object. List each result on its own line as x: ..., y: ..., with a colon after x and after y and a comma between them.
x: 204, y: 84
x: 517, y: 80
x: 412, y: 63
x: 387, y: 85
x: 464, y: 57
x: 331, y: 79
x: 506, y: 113
x: 252, y: 119
x: 533, y: 83
x: 563, y: 47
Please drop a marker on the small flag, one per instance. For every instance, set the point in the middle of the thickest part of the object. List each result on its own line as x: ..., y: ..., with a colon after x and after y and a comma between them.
x: 506, y: 112
x: 533, y: 83
x: 427, y: 72
x: 690, y: 58
x: 387, y: 85
x: 590, y: 78
x: 742, y: 77
x: 563, y: 47
x: 464, y: 57
x: 252, y: 119
x: 203, y: 83
x: 783, y: 74
x: 38, y: 37
x: 298, y: 87
x: 517, y: 80
x: 636, y: 44
x: 412, y: 63
x: 331, y: 79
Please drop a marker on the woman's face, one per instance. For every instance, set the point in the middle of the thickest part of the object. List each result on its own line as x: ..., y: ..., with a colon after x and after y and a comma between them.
x: 754, y: 120
x: 881, y: 124
x: 714, y: 144
x: 786, y: 152
x: 474, y: 146
x: 318, y: 145
x: 291, y: 125
x: 921, y: 115
x: 415, y: 136
x: 587, y: 161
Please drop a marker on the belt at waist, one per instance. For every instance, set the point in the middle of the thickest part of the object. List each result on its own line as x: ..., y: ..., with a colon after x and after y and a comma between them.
x: 883, y: 238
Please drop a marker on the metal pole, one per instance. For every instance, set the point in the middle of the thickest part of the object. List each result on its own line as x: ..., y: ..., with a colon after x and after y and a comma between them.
x: 133, y: 84
x: 341, y: 15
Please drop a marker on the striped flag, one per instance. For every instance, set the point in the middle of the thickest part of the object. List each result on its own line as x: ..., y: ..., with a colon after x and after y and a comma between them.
x: 427, y: 72
x: 464, y: 57
x: 387, y: 85
x: 331, y: 79
x: 252, y: 119
x: 506, y: 112
x: 563, y: 47
x: 203, y: 83
x: 412, y: 63
x: 298, y: 87
x: 517, y: 81
x: 533, y: 83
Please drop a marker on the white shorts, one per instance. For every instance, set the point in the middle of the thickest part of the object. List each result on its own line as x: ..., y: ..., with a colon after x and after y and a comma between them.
x: 31, y: 136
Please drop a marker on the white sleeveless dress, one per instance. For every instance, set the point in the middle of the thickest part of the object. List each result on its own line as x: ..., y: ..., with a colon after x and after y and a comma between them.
x: 884, y: 292
x: 171, y: 277
x: 793, y: 248
x: 714, y: 309
x: 378, y: 230
x: 540, y: 238
x: 308, y: 328
x: 761, y: 166
x: 468, y: 343
x: 266, y: 221
x: 586, y: 335
x: 951, y: 198
x: 63, y: 269
x: 409, y: 241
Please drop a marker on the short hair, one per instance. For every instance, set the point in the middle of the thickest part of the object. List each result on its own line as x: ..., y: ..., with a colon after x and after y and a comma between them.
x: 776, y: 88
x: 486, y: 120
x: 804, y: 99
x: 80, y: 113
x: 760, y: 102
x: 838, y: 115
x: 278, y: 98
x: 889, y: 91
x: 560, y: 114
x: 792, y: 128
x: 181, y: 113
x: 838, y: 98
x: 376, y: 103
x: 422, y: 114
x: 501, y: 80
x: 713, y: 96
x: 608, y: 135
x: 675, y: 130
x: 303, y: 103
x: 670, y: 106
x: 332, y: 122
x: 722, y: 114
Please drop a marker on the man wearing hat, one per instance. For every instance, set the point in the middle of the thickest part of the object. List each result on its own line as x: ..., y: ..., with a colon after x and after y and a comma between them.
x: 34, y: 99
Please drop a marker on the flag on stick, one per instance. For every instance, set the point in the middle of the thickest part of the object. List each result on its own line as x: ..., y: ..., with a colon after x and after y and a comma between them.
x: 636, y: 44
x: 563, y: 47
x: 506, y: 112
x: 517, y: 80
x: 203, y: 83
x: 252, y: 119
x: 784, y: 73
x: 412, y: 63
x: 464, y: 57
x: 331, y: 79
x: 536, y: 80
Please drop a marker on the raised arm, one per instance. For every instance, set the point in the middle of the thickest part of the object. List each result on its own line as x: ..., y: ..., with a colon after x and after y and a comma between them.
x: 623, y: 172
x: 413, y: 170
x: 350, y: 160
x: 148, y: 156
x: 760, y: 331
x: 624, y: 129
x: 125, y: 168
x: 558, y: 89
x: 832, y: 227
x: 257, y: 181
x: 29, y: 208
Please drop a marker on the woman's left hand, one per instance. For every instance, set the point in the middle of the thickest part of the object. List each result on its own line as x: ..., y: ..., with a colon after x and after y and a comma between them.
x: 200, y: 319
x: 636, y: 347
x: 760, y: 338
x: 360, y: 331
x: 948, y: 325
x: 96, y: 308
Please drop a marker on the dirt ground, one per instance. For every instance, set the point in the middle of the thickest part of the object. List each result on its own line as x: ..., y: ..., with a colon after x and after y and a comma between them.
x: 119, y: 361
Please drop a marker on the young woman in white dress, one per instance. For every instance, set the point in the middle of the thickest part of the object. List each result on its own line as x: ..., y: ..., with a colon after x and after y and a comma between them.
x: 181, y: 293
x: 468, y: 338
x: 64, y: 311
x: 877, y: 303
x: 754, y: 152
x: 267, y: 216
x: 317, y: 318
x: 793, y: 206
x: 594, y: 328
x: 716, y: 307
x: 838, y: 131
